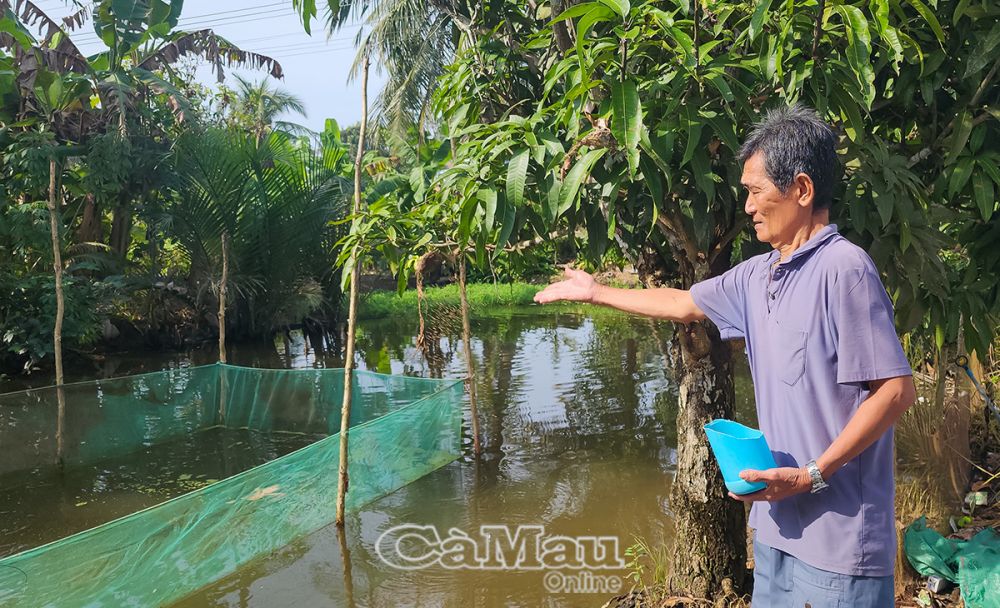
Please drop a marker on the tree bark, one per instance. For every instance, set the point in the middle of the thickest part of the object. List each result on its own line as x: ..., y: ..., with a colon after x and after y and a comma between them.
x: 121, y: 229
x: 222, y: 297
x: 710, y: 527
x: 90, y: 230
x: 352, y: 310
x: 469, y: 363
x: 57, y: 267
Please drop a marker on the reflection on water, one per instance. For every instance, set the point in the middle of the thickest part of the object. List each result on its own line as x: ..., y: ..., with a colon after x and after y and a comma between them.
x: 578, y: 436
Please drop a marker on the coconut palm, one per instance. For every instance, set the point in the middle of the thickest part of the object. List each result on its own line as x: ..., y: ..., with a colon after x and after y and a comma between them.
x: 258, y: 106
x: 412, y: 41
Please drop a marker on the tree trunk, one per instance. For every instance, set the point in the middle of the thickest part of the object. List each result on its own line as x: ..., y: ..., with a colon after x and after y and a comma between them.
x: 121, y: 229
x: 90, y: 230
x: 60, y: 309
x: 352, y: 310
x: 222, y: 297
x: 710, y: 527
x: 58, y: 269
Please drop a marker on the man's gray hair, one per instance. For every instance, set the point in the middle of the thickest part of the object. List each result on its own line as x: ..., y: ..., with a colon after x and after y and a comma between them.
x: 794, y: 139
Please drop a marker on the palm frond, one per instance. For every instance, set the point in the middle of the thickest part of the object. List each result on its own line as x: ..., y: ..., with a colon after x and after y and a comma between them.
x: 211, y: 47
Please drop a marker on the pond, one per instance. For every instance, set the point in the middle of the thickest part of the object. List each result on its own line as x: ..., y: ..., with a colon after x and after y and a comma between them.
x: 577, y: 413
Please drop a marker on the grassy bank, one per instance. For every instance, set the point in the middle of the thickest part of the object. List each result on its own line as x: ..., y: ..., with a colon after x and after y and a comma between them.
x: 381, y: 304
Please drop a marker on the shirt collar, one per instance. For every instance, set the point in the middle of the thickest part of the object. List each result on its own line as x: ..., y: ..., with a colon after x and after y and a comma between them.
x: 817, y: 240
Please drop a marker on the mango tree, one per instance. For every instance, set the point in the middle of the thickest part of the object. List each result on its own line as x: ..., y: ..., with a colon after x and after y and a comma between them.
x: 624, y: 119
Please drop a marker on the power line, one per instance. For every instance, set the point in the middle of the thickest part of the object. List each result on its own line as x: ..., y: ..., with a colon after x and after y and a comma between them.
x: 296, y: 46
x: 299, y: 33
x: 211, y: 24
x: 312, y: 53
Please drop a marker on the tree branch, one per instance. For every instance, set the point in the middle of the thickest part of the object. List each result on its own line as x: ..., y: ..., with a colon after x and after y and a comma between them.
x: 818, y: 32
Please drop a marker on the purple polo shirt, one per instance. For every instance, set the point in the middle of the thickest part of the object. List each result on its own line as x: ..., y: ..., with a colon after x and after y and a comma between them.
x: 814, y: 336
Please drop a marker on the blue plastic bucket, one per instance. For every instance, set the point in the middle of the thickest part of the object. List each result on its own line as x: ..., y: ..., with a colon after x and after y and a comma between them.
x: 738, y: 448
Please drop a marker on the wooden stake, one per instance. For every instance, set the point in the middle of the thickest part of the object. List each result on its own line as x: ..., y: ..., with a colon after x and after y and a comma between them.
x: 57, y: 267
x: 469, y: 364
x: 222, y: 297
x: 352, y: 310
x: 418, y: 271
x: 223, y: 285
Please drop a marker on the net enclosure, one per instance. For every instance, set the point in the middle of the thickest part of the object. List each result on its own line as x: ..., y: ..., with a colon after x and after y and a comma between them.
x: 401, y: 428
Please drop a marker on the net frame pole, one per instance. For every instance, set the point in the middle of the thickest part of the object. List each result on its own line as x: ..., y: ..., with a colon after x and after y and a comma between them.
x: 222, y: 296
x: 352, y: 310
x: 57, y: 268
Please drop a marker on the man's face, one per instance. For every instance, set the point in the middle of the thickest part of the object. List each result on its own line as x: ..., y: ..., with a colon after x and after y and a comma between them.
x: 776, y: 216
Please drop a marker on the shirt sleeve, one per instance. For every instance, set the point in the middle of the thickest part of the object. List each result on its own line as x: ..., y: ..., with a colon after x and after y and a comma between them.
x: 723, y: 300
x: 867, y: 345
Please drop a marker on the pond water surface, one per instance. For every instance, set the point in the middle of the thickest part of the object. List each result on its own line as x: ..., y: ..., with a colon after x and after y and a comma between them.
x: 577, y: 422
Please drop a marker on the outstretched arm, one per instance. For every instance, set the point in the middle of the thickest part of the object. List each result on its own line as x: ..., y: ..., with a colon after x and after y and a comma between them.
x: 659, y: 303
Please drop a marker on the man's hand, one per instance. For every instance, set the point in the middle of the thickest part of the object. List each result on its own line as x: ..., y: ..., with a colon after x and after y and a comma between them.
x: 781, y: 483
x: 579, y: 286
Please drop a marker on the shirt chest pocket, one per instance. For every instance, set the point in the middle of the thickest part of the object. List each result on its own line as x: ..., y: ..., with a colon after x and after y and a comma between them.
x: 789, y: 353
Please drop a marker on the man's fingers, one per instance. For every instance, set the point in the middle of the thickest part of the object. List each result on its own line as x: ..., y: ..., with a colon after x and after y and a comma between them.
x: 752, y: 475
x: 553, y: 292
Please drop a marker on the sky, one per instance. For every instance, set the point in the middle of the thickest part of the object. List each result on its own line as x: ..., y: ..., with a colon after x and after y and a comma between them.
x: 315, y: 69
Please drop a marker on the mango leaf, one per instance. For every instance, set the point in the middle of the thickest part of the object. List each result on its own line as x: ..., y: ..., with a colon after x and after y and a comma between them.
x: 880, y: 8
x: 621, y: 7
x: 990, y: 167
x: 694, y: 135
x: 983, y: 53
x: 468, y: 213
x: 575, y: 11
x: 982, y: 187
x: 626, y: 121
x: 905, y: 237
x: 891, y: 37
x: 506, y: 225
x: 757, y: 21
x: 963, y: 128
x: 960, y: 176
x: 929, y: 17
x: 959, y: 11
x: 489, y: 199
x: 517, y: 172
x: 596, y: 15
x: 884, y: 202
x: 550, y: 204
x: 571, y: 186
x: 859, y: 50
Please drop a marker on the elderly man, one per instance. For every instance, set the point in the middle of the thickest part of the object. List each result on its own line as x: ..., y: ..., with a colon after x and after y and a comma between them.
x: 829, y: 374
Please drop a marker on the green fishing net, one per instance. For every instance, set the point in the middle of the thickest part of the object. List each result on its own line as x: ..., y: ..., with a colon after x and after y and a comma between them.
x: 401, y: 429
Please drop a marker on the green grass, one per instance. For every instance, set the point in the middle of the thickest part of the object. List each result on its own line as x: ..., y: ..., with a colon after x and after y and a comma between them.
x: 382, y: 304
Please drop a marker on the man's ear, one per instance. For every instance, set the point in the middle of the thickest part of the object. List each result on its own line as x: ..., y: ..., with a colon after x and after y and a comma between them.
x: 807, y: 190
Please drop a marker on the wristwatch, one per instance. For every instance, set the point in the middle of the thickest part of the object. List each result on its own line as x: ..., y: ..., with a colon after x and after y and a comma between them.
x: 816, y: 477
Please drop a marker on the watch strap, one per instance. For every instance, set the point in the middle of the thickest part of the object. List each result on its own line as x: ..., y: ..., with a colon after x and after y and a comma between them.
x: 816, y: 477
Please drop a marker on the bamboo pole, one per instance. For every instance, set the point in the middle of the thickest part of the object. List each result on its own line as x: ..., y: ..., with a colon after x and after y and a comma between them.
x: 352, y: 310
x: 469, y: 363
